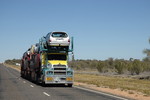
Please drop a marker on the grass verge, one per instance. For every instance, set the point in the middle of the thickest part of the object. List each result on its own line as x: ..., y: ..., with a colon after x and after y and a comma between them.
x: 123, y: 84
x: 13, y: 66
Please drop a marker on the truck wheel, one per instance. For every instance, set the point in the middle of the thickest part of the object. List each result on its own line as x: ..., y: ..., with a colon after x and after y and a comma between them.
x: 43, y: 84
x: 22, y: 75
x: 37, y: 80
x: 69, y: 85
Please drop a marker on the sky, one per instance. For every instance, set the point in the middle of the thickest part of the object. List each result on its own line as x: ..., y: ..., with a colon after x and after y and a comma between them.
x: 101, y: 28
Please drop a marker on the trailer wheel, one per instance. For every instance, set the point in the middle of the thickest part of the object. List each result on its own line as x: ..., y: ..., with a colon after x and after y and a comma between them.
x: 37, y: 80
x: 22, y: 75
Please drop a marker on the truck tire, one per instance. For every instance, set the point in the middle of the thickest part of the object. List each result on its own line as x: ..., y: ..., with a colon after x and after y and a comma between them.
x: 69, y: 85
x: 37, y: 80
x: 22, y: 75
x: 43, y: 84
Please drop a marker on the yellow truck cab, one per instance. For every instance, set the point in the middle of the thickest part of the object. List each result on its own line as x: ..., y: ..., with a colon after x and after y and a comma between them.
x: 56, y: 70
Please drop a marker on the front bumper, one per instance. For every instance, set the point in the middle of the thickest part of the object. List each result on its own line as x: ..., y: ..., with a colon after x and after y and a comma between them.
x: 58, y: 80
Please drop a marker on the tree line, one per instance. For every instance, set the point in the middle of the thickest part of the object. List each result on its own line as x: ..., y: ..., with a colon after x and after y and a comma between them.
x: 120, y: 66
x: 13, y: 61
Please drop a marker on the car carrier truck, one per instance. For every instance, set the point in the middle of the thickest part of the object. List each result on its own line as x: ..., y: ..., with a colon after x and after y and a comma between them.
x: 47, y: 65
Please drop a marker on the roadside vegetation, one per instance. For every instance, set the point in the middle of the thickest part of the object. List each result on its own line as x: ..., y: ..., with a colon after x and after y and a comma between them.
x: 121, y: 83
x: 13, y: 61
x: 117, y: 66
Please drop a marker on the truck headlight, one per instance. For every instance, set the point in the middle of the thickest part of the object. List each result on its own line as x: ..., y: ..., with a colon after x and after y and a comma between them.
x: 69, y: 73
x: 49, y: 72
x: 49, y: 65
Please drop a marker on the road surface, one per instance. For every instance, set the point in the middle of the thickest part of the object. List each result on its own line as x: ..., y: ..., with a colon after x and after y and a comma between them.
x: 13, y: 87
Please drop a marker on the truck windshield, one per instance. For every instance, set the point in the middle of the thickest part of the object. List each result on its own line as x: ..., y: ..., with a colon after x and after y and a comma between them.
x: 56, y: 66
x: 57, y: 57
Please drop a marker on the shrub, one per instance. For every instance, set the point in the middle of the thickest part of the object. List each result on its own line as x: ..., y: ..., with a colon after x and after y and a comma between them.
x: 100, y: 66
x: 120, y: 66
x: 137, y: 67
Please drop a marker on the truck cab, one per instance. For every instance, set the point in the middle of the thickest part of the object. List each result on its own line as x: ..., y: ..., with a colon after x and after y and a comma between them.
x: 56, y: 70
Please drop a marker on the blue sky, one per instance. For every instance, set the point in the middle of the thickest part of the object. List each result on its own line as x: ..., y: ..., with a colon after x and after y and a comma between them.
x: 101, y: 28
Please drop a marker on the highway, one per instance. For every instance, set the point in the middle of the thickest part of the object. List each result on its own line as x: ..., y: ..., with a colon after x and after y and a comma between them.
x: 13, y: 87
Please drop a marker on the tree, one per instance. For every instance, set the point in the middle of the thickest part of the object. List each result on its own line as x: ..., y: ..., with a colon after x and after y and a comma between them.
x: 147, y: 52
x: 100, y: 66
x: 110, y: 62
x: 120, y: 66
x: 137, y: 66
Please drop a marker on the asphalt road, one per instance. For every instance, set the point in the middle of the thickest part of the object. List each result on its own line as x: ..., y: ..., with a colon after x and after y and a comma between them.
x: 13, y: 87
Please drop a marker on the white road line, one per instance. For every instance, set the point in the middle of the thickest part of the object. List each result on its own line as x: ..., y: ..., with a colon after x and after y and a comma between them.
x: 24, y: 81
x: 46, y: 94
x: 100, y: 93
x: 31, y: 85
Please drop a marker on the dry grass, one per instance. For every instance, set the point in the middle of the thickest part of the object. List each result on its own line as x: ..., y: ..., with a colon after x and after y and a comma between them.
x: 13, y: 66
x: 124, y: 84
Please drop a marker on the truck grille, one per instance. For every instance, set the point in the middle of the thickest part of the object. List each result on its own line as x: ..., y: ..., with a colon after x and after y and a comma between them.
x: 59, y: 73
x: 59, y: 69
